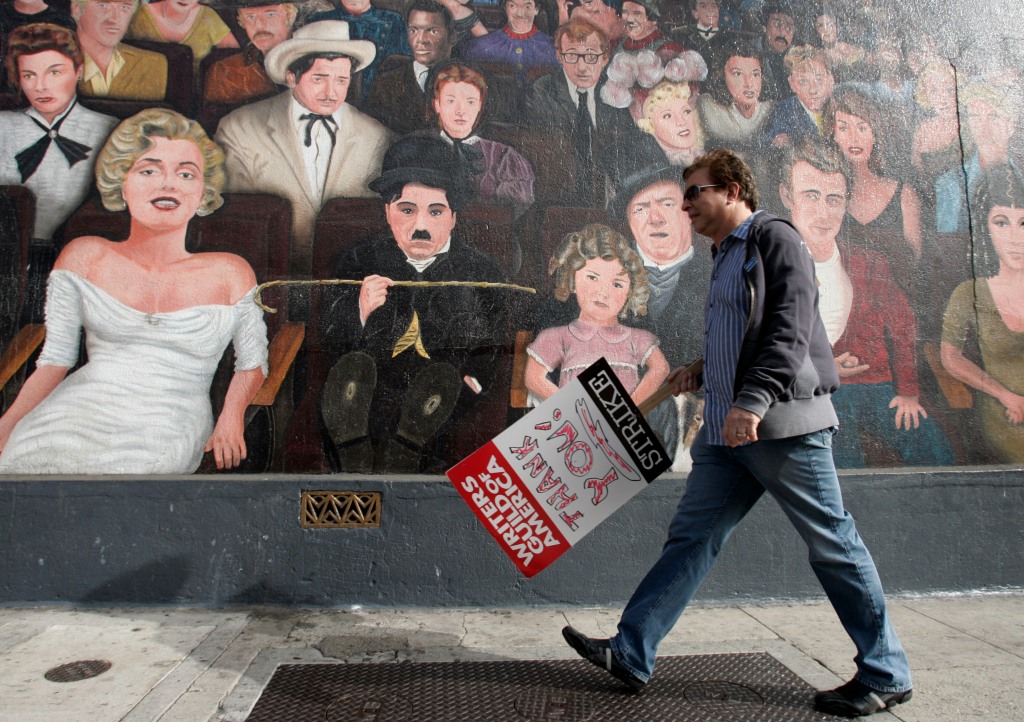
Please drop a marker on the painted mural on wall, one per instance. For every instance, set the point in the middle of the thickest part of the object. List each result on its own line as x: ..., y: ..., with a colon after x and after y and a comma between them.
x: 445, y: 158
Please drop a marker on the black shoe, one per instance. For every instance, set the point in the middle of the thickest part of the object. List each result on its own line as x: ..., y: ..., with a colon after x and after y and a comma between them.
x: 345, y: 409
x: 599, y: 652
x: 855, y: 699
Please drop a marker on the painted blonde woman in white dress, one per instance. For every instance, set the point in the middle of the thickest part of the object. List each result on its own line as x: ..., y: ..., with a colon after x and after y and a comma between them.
x: 157, y: 320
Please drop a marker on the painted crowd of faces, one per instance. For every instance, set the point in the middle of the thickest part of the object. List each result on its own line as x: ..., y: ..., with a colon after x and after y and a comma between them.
x: 918, y: 137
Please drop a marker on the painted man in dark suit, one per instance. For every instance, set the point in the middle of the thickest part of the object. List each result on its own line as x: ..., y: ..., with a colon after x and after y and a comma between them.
x: 568, y: 104
x: 399, y: 97
x: 411, y: 359
x: 706, y: 35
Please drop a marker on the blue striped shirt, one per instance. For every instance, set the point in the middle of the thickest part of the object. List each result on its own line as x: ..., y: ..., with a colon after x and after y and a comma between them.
x: 726, y: 314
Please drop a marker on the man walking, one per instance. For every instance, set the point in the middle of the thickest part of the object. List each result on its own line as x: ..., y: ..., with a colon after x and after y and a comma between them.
x: 768, y: 376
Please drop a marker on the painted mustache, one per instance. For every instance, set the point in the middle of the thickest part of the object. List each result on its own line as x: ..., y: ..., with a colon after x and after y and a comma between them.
x: 421, y: 235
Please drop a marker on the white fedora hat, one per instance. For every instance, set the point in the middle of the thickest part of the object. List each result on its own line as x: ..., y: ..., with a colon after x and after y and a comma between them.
x: 323, y: 36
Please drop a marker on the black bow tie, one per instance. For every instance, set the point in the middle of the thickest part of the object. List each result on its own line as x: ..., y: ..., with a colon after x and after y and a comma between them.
x: 708, y: 33
x: 29, y: 159
x: 329, y: 122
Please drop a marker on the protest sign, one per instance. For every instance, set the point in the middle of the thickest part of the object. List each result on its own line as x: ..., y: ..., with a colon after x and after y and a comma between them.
x: 552, y: 477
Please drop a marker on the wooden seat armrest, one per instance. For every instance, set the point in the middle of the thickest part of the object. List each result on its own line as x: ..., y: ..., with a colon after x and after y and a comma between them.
x: 283, y: 348
x: 518, y: 395
x: 20, y: 349
x: 956, y: 392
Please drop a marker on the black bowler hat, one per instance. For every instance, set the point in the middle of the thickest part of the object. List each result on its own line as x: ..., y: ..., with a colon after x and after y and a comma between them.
x: 632, y: 164
x: 427, y: 160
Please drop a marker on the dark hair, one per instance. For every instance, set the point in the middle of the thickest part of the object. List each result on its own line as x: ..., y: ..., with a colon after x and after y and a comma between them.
x: 539, y: 4
x: 434, y: 8
x: 38, y: 38
x: 773, y: 7
x: 724, y: 166
x: 301, y: 66
x: 692, y: 4
x: 824, y: 159
x: 999, y: 186
x: 737, y: 48
x: 857, y: 99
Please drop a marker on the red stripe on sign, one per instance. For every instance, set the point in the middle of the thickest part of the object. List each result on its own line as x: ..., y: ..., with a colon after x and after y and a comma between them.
x: 488, y: 483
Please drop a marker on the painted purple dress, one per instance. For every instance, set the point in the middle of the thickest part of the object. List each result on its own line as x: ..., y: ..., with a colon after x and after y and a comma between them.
x: 507, y: 175
x: 574, y: 347
x: 521, y: 51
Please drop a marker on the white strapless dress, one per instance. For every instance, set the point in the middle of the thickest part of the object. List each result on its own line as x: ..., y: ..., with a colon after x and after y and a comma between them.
x: 141, y: 405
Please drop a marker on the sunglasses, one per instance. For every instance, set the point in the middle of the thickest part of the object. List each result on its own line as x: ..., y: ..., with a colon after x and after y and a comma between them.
x: 692, y: 193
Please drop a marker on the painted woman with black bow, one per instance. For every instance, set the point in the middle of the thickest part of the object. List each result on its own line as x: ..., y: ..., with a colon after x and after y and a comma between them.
x: 51, y: 146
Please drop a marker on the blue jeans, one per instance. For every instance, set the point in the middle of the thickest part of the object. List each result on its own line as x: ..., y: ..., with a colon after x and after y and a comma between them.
x: 724, y: 485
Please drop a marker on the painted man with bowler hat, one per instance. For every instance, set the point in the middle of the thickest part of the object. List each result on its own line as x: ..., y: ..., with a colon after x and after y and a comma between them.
x: 411, y: 359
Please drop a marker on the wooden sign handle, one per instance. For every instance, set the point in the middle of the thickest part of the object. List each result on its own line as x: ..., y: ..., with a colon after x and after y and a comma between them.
x: 665, y: 390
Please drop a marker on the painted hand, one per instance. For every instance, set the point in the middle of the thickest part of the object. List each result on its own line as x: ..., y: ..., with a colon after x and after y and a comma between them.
x: 373, y: 294
x: 1014, y: 404
x: 848, y: 365
x: 227, y: 443
x: 908, y: 411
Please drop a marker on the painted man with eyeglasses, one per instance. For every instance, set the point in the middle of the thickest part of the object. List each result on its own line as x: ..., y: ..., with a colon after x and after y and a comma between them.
x: 768, y: 378
x: 568, y: 102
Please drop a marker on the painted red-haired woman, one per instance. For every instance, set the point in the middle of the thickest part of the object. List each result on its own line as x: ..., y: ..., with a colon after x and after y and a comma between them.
x: 459, y: 102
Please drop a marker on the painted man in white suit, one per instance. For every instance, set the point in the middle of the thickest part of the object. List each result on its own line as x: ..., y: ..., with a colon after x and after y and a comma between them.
x: 307, y: 144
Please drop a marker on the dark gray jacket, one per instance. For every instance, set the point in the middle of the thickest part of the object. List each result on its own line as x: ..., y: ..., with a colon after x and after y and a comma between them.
x: 785, y: 373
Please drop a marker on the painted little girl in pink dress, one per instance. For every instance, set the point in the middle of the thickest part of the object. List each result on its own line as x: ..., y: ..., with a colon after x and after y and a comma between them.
x: 609, y: 281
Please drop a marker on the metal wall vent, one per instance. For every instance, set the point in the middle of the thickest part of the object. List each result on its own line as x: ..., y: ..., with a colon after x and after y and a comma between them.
x: 340, y: 509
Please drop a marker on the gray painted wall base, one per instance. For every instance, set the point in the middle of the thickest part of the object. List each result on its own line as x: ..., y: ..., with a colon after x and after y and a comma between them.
x: 237, y: 540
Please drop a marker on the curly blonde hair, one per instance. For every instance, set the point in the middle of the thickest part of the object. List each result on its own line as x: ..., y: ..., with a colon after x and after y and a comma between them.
x: 133, y: 137
x: 599, y: 241
x: 664, y: 92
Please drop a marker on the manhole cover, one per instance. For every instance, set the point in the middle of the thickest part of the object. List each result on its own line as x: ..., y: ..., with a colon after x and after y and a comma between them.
x: 77, y: 671
x: 547, y: 704
x: 369, y: 707
x: 715, y: 691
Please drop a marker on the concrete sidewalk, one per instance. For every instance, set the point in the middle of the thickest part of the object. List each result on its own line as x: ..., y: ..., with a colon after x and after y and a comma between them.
x: 190, y: 665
